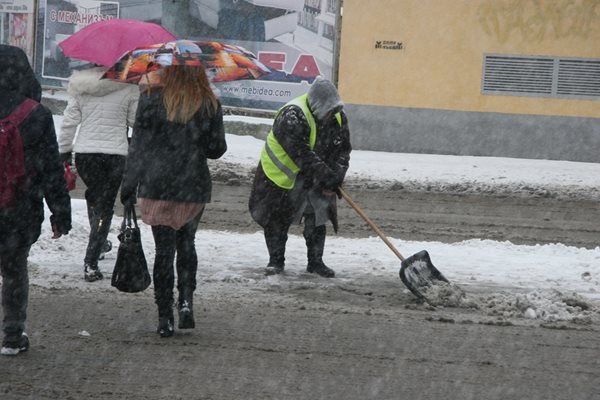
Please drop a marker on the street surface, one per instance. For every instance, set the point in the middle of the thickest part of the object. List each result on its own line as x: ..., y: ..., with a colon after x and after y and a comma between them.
x: 299, y: 342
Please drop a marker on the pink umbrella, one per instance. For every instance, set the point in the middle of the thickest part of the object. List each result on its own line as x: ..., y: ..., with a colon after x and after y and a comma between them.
x: 104, y: 42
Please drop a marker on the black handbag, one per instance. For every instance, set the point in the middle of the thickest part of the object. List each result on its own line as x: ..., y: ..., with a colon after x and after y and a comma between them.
x: 131, y: 270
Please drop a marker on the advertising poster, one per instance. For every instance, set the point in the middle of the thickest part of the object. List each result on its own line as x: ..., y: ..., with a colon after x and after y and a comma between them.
x: 17, y: 23
x: 62, y: 18
x: 293, y: 39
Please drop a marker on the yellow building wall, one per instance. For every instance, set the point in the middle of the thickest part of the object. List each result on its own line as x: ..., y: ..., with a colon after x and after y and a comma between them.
x: 444, y: 42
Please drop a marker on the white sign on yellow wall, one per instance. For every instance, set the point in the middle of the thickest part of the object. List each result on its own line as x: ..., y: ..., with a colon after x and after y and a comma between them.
x: 444, y: 45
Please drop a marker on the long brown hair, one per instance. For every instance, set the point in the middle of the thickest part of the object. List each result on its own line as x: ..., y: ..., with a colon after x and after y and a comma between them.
x: 186, y: 90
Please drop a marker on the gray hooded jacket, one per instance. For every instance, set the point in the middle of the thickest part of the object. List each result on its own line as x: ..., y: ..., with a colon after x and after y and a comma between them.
x: 323, y: 98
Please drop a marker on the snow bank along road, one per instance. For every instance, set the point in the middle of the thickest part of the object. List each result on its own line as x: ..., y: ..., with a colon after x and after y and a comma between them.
x: 425, y: 214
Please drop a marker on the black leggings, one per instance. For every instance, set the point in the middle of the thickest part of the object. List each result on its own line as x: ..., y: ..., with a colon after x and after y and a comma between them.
x: 102, y: 175
x: 167, y: 242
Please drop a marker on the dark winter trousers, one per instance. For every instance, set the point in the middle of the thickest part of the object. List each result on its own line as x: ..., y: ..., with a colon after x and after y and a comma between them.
x: 167, y: 242
x: 102, y: 175
x: 15, y: 291
x: 276, y: 235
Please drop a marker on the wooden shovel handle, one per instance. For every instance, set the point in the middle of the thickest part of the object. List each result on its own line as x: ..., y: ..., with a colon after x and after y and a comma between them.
x: 364, y: 216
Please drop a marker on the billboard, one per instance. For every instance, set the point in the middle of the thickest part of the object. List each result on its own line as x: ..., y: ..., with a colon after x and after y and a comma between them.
x: 294, y: 39
x: 62, y: 18
x: 17, y: 23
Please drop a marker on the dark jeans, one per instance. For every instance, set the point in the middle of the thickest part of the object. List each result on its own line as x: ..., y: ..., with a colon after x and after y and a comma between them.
x: 102, y: 175
x: 15, y: 291
x: 167, y: 242
x: 276, y: 235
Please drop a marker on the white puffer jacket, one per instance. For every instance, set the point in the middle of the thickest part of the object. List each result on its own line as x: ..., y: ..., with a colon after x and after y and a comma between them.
x: 103, y: 109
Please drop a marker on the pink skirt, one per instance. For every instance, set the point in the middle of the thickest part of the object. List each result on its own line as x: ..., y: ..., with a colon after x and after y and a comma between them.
x: 169, y: 213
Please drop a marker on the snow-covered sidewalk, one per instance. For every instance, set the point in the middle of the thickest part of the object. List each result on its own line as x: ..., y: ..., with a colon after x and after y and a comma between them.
x: 496, y: 275
x: 549, y: 282
x: 457, y: 174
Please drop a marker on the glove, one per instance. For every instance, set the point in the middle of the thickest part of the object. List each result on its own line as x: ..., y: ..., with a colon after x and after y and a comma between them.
x: 66, y: 157
x: 60, y: 226
x: 338, y: 193
x: 128, y: 197
x: 330, y: 181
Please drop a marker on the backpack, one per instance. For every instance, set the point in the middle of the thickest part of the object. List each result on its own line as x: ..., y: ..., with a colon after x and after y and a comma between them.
x: 12, y: 154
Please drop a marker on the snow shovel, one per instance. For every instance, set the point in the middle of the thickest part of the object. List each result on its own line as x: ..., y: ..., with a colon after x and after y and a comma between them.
x: 417, y: 272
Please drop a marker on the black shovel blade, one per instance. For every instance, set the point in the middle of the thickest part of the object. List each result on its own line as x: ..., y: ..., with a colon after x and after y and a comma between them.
x: 418, y: 273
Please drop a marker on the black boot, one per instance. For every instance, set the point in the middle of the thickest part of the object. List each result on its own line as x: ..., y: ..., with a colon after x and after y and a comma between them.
x: 315, y: 244
x: 185, y: 307
x: 100, y: 225
x: 164, y: 300
x: 163, y: 297
x: 186, y: 315
x: 105, y: 249
x: 276, y: 246
x: 164, y: 278
x: 91, y: 272
x: 166, y: 322
x: 319, y: 268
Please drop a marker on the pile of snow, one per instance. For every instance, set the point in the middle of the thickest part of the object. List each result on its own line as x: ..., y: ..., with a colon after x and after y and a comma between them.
x: 545, y: 305
x: 517, y: 281
x: 498, y: 278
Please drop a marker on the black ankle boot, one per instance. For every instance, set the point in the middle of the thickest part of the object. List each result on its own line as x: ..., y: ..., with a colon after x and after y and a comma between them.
x: 91, y: 272
x: 320, y: 268
x: 165, y: 326
x: 276, y: 246
x: 274, y: 268
x: 166, y: 321
x: 315, y: 244
x: 186, y: 315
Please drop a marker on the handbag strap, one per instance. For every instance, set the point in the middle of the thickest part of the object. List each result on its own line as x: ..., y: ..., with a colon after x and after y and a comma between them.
x: 129, y: 217
x: 134, y: 217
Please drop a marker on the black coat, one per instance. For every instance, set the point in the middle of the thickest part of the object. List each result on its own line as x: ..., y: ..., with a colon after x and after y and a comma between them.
x: 322, y: 168
x: 168, y: 160
x: 21, y: 225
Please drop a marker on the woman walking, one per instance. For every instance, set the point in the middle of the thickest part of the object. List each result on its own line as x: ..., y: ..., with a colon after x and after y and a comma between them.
x: 103, y: 110
x: 178, y: 126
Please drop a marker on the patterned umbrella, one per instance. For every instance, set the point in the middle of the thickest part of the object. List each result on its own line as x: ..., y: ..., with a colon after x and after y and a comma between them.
x: 222, y: 62
x: 104, y: 42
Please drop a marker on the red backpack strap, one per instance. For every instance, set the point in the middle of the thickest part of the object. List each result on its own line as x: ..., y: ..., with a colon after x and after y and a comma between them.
x: 22, y: 111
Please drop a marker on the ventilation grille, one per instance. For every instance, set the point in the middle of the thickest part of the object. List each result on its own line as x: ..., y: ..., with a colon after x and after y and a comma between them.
x: 579, y: 78
x: 541, y: 76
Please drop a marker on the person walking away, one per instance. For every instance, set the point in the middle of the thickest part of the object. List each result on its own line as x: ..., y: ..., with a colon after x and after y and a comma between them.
x: 30, y: 171
x: 103, y: 110
x: 303, y: 163
x: 178, y: 126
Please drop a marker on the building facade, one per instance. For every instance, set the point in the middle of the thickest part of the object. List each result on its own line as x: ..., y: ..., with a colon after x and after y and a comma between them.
x: 510, y: 78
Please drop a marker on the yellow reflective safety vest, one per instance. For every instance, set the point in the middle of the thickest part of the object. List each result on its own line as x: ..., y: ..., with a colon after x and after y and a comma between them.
x: 276, y: 163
